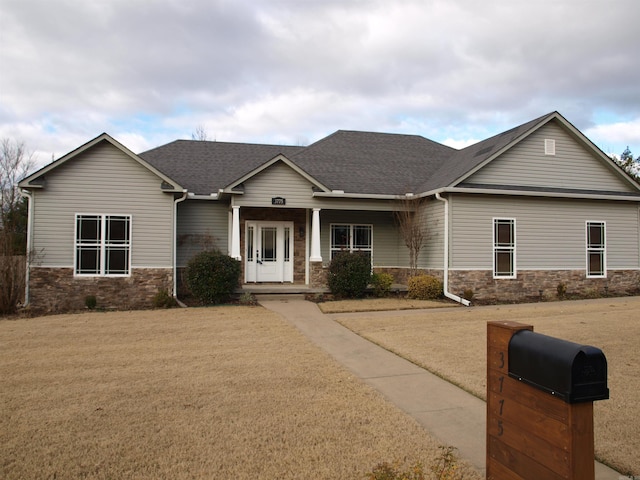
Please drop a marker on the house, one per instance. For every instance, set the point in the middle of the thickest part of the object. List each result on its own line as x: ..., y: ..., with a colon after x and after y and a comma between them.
x: 509, y: 218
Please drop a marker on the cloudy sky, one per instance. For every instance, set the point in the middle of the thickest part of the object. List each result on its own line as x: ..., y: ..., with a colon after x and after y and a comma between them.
x: 292, y: 71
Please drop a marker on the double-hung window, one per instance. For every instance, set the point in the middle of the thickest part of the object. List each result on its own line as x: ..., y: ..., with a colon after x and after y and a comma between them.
x: 596, y: 250
x: 351, y: 238
x: 504, y: 248
x: 103, y: 245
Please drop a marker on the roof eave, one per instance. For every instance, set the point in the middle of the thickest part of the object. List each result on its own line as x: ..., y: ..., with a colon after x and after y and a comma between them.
x: 536, y: 193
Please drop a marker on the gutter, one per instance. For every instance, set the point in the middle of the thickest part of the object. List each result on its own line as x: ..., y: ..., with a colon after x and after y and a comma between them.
x: 193, y: 196
x: 29, y: 196
x: 175, y: 242
x: 445, y: 272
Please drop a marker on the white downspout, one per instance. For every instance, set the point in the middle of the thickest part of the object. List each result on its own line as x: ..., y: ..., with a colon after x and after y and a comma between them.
x: 28, y: 195
x: 175, y: 242
x: 445, y: 272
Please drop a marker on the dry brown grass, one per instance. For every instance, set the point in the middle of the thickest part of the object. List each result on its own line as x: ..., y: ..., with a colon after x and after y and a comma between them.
x: 230, y: 392
x: 452, y: 343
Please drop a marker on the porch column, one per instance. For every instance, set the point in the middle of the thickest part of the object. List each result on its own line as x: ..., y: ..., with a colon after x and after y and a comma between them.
x: 316, y: 256
x: 235, y: 233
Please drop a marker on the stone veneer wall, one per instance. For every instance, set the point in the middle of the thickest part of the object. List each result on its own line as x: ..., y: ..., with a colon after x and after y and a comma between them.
x: 529, y: 284
x: 57, y: 290
x: 318, y: 275
x: 541, y: 284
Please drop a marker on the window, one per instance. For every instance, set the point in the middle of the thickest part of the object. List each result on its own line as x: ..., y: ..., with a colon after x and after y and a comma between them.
x: 351, y: 238
x: 103, y: 244
x: 504, y: 248
x: 596, y: 250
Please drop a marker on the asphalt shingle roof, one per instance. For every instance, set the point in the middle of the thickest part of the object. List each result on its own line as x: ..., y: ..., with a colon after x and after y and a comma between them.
x: 373, y: 163
x: 355, y: 162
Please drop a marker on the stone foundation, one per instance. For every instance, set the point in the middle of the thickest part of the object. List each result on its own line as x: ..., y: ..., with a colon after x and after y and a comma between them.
x: 542, y: 284
x: 57, y: 290
x: 317, y: 275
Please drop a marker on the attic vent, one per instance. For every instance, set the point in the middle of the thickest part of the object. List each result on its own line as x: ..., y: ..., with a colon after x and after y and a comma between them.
x: 549, y: 146
x: 484, y: 150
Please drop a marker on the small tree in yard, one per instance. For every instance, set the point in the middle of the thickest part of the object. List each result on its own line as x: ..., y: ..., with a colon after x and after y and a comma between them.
x: 15, y: 162
x: 410, y: 220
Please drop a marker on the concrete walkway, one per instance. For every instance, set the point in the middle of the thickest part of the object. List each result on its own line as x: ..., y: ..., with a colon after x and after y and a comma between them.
x: 451, y: 415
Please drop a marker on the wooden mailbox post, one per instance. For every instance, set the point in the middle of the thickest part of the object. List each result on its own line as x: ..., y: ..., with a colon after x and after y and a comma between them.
x: 540, y: 405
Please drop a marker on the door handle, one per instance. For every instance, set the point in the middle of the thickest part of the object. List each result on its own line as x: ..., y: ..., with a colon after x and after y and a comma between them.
x: 258, y: 257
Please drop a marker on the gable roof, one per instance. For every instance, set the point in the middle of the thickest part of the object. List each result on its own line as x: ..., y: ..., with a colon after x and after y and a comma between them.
x: 36, y: 179
x: 280, y: 158
x: 465, y: 161
x: 207, y: 167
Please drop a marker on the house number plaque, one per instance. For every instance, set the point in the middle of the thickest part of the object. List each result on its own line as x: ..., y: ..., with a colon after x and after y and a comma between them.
x: 278, y: 201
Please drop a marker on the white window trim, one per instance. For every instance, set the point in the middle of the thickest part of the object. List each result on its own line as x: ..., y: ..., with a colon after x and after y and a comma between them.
x: 103, y: 219
x: 589, y: 249
x: 494, y: 248
x: 351, y: 247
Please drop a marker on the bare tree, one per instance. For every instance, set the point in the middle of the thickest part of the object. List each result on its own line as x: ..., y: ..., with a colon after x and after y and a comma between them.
x: 200, y: 134
x: 411, y: 222
x: 15, y: 163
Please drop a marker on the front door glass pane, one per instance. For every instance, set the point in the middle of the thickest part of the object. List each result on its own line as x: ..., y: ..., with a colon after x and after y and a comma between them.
x: 269, y: 235
x: 250, y: 244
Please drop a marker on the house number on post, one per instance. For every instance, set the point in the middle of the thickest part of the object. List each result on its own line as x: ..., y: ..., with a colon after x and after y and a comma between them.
x: 540, y: 393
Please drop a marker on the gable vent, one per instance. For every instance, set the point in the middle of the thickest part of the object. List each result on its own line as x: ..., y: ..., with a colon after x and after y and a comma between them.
x: 549, y: 146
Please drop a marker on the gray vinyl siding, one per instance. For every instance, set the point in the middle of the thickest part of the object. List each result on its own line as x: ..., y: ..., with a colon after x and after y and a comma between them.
x: 279, y: 180
x: 102, y: 180
x: 388, y: 248
x: 550, y: 233
x: 202, y: 225
x: 432, y: 252
x: 573, y: 166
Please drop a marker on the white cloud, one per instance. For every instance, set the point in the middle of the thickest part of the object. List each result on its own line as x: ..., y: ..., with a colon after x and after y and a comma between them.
x: 285, y: 71
x: 616, y: 136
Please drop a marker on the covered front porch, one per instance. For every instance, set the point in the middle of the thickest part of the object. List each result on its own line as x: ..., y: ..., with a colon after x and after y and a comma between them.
x: 277, y: 247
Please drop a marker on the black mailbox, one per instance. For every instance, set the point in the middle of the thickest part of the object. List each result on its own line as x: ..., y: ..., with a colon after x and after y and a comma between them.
x: 573, y: 372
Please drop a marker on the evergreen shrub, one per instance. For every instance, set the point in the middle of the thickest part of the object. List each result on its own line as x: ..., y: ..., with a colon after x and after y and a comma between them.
x: 349, y: 274
x: 212, y: 277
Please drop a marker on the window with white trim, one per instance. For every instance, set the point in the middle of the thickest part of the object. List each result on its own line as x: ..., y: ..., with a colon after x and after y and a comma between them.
x: 596, y: 249
x: 103, y: 245
x: 351, y: 238
x: 504, y: 248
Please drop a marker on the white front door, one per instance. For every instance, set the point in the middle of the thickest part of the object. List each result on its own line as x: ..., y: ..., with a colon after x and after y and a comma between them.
x: 269, y: 252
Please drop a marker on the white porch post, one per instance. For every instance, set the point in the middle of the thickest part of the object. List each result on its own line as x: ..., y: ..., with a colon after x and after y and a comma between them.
x: 316, y: 256
x: 235, y: 233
